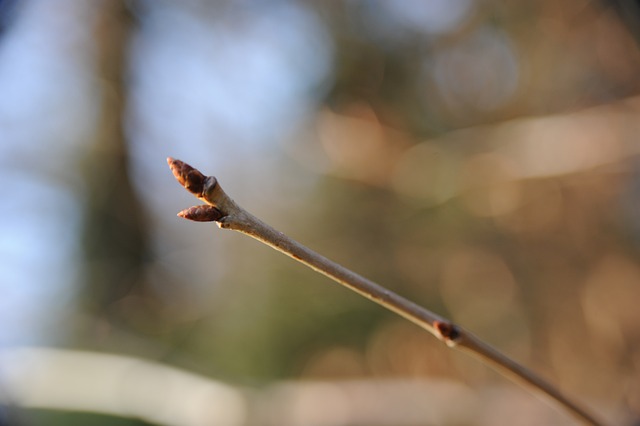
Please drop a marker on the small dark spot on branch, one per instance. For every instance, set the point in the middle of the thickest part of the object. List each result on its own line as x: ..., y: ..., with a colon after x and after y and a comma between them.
x: 448, y: 332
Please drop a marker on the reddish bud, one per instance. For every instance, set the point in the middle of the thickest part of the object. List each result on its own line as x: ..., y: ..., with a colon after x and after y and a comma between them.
x: 203, y: 213
x: 188, y: 177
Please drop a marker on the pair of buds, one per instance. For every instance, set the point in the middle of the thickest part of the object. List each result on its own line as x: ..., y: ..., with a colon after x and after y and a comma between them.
x: 198, y: 184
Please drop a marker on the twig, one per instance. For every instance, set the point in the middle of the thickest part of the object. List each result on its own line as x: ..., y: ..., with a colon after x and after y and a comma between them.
x: 229, y: 215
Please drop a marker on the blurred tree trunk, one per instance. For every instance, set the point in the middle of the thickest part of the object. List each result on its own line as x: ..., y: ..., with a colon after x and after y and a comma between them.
x: 115, y: 237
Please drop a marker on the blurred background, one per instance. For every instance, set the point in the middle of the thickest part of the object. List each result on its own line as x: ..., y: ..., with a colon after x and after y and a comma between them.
x: 479, y: 157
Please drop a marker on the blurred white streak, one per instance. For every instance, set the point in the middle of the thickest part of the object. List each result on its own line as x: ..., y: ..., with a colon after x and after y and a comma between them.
x: 117, y: 385
x: 131, y: 387
x: 570, y: 143
x: 565, y: 143
x: 527, y: 148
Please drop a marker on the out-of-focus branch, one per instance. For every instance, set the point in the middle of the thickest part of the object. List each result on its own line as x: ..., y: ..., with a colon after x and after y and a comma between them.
x: 129, y: 387
x: 117, y: 385
x: 114, y: 234
x: 229, y: 215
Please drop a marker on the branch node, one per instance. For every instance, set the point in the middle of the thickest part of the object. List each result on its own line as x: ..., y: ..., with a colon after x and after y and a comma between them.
x: 448, y: 332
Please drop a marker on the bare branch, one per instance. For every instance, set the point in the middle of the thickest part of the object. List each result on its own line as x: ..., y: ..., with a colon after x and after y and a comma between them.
x: 229, y: 215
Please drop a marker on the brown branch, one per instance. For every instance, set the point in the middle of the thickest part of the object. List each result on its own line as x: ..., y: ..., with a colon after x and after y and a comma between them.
x: 229, y: 215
